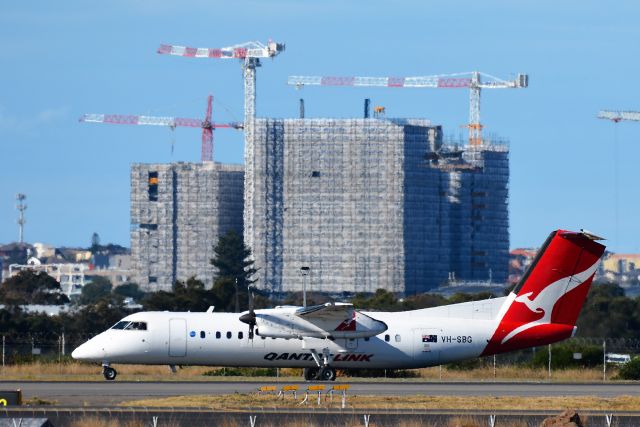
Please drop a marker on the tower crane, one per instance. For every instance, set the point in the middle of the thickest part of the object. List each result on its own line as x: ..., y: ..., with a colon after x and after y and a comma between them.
x: 617, y: 116
x: 475, y: 81
x: 206, y: 124
x: 249, y: 53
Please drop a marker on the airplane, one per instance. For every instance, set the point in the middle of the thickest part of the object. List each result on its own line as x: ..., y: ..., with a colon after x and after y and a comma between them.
x: 542, y: 309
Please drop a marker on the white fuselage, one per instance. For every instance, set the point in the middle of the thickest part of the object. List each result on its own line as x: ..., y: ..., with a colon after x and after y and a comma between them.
x: 414, y: 339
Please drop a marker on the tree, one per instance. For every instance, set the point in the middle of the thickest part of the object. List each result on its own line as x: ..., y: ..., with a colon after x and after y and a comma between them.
x: 95, y: 242
x: 131, y: 290
x: 296, y: 298
x: 186, y: 296
x: 224, y: 289
x: 562, y: 356
x: 93, y: 292
x: 419, y: 301
x: 232, y: 259
x: 31, y: 287
x: 235, y: 268
x: 630, y: 370
x: 92, y: 319
x: 381, y: 300
x: 608, y: 313
x: 459, y: 297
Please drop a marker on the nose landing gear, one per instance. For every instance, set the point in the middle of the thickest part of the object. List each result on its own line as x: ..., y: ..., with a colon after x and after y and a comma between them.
x: 109, y: 373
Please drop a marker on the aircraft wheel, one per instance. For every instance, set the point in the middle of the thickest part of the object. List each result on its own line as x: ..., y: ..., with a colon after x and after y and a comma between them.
x: 109, y: 373
x: 327, y: 374
x: 310, y: 374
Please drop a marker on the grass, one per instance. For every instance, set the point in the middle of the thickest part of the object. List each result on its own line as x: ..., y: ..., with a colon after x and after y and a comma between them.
x: 77, y: 371
x: 515, y: 373
x: 244, y: 401
x: 37, y: 401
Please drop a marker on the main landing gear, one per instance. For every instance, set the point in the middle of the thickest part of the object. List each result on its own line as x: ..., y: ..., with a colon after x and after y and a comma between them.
x: 109, y: 373
x: 324, y: 372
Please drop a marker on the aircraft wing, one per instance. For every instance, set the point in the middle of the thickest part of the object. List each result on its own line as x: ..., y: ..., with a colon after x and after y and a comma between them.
x: 341, y: 320
x: 328, y: 311
x: 330, y: 320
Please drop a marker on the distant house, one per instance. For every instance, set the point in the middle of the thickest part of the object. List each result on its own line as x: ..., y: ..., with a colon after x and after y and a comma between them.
x: 519, y: 260
x: 623, y: 269
x: 71, y: 267
x: 70, y: 276
x: 13, y: 253
x: 16, y: 253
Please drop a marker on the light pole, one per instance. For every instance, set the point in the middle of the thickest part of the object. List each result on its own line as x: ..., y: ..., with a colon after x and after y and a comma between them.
x: 305, y: 272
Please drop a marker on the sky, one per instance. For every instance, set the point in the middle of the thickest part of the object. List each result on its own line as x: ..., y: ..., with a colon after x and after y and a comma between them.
x: 59, y: 60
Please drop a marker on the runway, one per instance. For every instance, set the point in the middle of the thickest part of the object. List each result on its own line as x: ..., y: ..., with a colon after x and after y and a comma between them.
x: 103, y: 393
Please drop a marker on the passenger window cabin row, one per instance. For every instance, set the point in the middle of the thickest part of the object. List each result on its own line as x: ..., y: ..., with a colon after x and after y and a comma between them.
x: 229, y: 335
x: 219, y: 335
x: 142, y: 326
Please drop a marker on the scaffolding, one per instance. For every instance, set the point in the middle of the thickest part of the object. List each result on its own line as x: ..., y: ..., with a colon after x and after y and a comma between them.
x: 178, y: 212
x: 373, y: 203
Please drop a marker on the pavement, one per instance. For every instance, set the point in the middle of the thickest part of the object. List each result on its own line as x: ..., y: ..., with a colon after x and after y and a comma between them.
x: 111, y: 393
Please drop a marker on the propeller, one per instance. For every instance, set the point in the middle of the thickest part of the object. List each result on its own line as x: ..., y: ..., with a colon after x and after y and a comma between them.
x: 250, y: 317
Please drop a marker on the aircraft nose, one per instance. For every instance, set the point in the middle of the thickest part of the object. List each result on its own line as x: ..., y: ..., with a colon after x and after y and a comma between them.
x: 89, y: 351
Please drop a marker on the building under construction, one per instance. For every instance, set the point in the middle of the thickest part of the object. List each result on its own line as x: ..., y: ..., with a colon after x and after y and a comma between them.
x: 363, y: 204
x: 178, y: 211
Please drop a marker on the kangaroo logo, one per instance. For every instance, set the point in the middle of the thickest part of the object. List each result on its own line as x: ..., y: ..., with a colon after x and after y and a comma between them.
x: 348, y: 324
x: 546, y: 300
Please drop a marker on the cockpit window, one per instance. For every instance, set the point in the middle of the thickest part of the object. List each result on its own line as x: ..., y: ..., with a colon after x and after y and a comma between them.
x: 120, y: 325
x: 136, y: 326
x: 130, y: 326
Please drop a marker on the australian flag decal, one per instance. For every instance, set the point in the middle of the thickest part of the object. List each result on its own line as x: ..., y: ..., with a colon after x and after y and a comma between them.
x: 429, y: 338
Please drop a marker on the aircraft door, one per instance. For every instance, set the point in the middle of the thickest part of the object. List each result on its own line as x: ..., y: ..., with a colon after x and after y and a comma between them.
x: 426, y: 345
x: 177, y: 337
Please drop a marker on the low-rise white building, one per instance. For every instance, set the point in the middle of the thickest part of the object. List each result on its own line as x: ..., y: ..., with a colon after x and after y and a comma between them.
x: 70, y: 276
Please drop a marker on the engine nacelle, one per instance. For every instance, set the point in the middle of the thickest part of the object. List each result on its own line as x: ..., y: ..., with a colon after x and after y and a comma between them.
x: 269, y: 331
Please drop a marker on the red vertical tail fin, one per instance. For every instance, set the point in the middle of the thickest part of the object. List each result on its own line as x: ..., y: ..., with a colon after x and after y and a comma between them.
x: 545, y: 305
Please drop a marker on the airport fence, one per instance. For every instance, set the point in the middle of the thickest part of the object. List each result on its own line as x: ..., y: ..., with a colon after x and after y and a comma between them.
x: 38, y: 347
